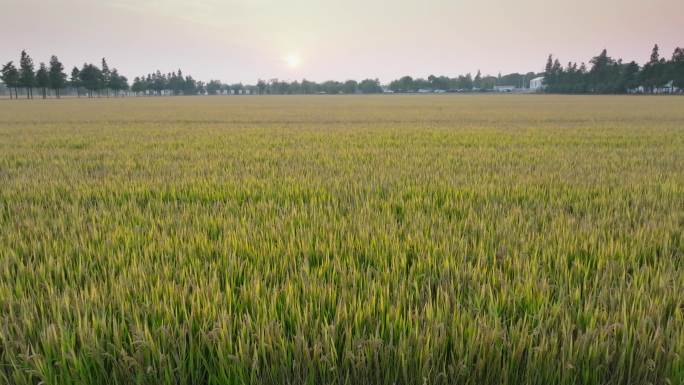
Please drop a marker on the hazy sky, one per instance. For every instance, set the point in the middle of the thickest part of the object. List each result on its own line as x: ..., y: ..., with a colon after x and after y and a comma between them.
x: 243, y: 40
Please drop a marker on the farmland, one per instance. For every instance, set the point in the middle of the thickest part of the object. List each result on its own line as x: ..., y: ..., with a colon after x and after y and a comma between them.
x: 440, y: 239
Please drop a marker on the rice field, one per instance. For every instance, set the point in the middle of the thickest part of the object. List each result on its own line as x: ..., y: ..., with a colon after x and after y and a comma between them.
x: 441, y: 239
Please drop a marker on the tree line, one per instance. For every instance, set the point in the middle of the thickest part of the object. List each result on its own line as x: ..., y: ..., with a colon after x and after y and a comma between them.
x: 26, y: 77
x: 176, y: 84
x: 461, y: 83
x: 307, y: 87
x: 90, y: 78
x: 173, y: 83
x: 606, y: 75
x: 611, y: 76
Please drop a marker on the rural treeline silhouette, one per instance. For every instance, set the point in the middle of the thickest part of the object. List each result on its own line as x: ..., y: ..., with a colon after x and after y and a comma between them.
x: 604, y: 76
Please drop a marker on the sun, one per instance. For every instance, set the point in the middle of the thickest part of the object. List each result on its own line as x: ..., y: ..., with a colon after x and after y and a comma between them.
x: 293, y: 60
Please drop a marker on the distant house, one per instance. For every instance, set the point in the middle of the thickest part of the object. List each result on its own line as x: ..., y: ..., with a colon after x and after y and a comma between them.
x: 668, y: 88
x: 537, y: 84
x: 504, y: 88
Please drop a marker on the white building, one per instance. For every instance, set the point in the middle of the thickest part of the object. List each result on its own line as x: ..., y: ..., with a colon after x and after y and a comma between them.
x: 537, y: 84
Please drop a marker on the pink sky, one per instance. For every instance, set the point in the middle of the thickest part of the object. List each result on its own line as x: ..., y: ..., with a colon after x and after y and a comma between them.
x: 244, y: 40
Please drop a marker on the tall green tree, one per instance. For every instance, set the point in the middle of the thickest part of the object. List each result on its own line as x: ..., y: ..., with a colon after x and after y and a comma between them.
x: 308, y: 87
x: 438, y: 82
x: 652, y: 75
x: 75, y: 80
x: 629, y: 77
x: 57, y: 76
x: 117, y: 83
x: 550, y: 74
x: 138, y: 86
x: 159, y: 82
x: 466, y: 82
x: 350, y: 87
x: 10, y: 76
x: 403, y: 84
x: 190, y: 87
x: 604, y: 73
x: 549, y: 64
x: 261, y: 87
x: 176, y: 82
x: 90, y: 78
x: 370, y: 86
x: 105, y: 77
x: 27, y: 78
x: 477, y: 82
x: 43, y: 79
x: 201, y: 88
x: 677, y: 68
x: 213, y: 87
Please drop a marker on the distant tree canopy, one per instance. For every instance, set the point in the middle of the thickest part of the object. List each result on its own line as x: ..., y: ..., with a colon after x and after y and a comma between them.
x: 96, y: 80
x: 43, y: 79
x: 609, y: 76
x: 57, y: 76
x: 173, y: 83
x: 10, y: 76
x: 307, y: 87
x: 27, y: 78
x: 460, y: 83
x: 603, y: 75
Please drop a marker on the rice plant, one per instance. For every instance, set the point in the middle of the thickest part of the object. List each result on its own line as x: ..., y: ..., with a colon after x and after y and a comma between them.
x: 342, y: 240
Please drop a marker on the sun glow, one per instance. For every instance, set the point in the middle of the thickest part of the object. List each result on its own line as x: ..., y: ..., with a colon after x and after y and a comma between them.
x: 293, y: 60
